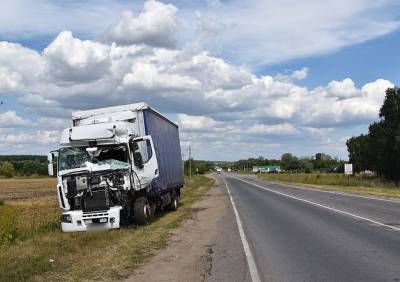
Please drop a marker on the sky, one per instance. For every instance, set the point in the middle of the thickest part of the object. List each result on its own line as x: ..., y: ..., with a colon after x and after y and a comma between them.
x: 241, y: 78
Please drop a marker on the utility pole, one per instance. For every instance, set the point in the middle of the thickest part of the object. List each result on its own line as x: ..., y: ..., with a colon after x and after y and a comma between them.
x: 183, y: 163
x: 190, y: 164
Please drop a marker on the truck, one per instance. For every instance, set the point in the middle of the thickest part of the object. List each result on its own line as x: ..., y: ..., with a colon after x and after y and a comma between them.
x: 117, y: 166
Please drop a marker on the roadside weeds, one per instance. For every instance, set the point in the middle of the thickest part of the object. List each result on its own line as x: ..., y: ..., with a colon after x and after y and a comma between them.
x: 52, y: 255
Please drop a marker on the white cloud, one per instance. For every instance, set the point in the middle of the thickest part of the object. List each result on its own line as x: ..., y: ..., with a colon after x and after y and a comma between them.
x: 40, y: 137
x: 190, y: 123
x: 314, y: 131
x: 10, y: 119
x: 156, y: 25
x: 147, y: 76
x: 276, y: 129
x: 20, y: 65
x: 53, y: 123
x: 300, y: 74
x: 9, y: 80
x: 343, y: 89
x: 70, y: 59
x: 36, y: 100
x: 322, y: 110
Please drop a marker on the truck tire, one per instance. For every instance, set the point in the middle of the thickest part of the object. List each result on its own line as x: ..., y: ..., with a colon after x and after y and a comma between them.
x: 142, y: 211
x: 173, y: 206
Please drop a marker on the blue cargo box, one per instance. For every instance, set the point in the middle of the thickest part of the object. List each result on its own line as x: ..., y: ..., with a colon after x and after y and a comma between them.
x: 165, y: 135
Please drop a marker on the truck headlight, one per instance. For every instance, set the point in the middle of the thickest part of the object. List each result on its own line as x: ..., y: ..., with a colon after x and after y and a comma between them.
x: 66, y: 218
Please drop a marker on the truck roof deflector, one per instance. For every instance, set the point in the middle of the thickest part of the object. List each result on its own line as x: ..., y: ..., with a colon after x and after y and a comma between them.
x: 112, y: 136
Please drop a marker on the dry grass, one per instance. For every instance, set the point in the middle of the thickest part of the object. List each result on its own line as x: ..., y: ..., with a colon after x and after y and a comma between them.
x: 48, y: 254
x: 12, y: 189
x: 339, y: 182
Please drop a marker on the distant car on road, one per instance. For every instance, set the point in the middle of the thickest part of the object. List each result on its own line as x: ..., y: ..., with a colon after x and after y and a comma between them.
x: 219, y: 170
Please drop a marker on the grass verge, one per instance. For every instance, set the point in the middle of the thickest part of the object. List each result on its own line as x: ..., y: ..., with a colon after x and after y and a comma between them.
x: 338, y: 182
x: 48, y: 254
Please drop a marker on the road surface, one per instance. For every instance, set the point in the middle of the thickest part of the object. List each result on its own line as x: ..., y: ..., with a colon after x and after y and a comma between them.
x: 297, y: 234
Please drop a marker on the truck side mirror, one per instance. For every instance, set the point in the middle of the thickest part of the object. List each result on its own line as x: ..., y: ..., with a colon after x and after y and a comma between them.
x: 50, y: 158
x: 50, y: 169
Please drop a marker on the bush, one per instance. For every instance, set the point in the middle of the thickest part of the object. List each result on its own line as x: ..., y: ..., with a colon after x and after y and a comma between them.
x: 7, y: 169
x: 33, y: 167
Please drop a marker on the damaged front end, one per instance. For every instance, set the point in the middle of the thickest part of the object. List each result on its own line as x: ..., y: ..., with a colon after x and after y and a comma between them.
x: 93, y: 192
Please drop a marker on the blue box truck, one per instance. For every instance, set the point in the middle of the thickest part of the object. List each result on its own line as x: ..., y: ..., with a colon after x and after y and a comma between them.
x: 117, y: 166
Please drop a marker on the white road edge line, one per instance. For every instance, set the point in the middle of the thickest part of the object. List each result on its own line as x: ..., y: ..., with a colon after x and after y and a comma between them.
x: 319, y: 205
x: 249, y: 257
x: 332, y: 192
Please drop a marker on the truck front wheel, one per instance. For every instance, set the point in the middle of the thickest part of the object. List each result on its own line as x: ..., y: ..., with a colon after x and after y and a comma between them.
x: 142, y: 211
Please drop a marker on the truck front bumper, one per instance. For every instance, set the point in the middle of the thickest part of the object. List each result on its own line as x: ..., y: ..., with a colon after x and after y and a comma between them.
x: 72, y: 221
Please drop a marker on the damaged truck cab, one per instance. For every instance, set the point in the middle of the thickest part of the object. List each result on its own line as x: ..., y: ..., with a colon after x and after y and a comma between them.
x: 116, y: 166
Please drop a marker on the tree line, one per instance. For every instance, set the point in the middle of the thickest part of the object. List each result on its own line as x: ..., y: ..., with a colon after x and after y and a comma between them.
x: 22, y: 165
x: 320, y: 162
x: 379, y: 149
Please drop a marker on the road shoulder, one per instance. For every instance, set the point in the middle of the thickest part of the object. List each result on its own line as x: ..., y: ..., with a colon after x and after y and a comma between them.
x: 206, y: 247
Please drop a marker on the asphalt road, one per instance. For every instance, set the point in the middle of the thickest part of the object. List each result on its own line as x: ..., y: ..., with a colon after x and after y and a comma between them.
x: 304, y: 235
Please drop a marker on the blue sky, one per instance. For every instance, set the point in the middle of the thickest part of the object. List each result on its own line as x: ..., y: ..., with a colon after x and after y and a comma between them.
x: 241, y: 78
x: 362, y: 62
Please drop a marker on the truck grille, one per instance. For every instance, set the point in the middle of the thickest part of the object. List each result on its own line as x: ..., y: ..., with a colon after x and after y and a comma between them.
x: 95, y: 215
x: 97, y: 201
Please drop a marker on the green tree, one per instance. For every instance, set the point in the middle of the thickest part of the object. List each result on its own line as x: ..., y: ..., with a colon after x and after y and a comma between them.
x: 306, y: 165
x: 290, y: 162
x: 325, y: 162
x: 380, y: 150
x: 360, y: 152
x: 7, y: 169
x: 386, y: 135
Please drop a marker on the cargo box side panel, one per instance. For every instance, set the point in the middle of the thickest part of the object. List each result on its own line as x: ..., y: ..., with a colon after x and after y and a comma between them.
x: 168, y: 150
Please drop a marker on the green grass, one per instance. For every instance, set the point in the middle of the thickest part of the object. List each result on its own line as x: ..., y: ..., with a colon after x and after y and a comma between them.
x: 41, y: 252
x: 367, y: 185
x: 22, y: 220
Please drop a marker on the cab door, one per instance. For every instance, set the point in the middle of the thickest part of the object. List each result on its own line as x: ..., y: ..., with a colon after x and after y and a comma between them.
x: 144, y: 159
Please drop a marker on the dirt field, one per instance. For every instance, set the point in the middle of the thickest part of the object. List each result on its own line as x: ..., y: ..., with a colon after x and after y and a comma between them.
x: 26, y: 188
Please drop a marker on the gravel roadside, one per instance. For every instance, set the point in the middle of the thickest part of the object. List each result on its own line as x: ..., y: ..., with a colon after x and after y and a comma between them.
x: 205, y: 248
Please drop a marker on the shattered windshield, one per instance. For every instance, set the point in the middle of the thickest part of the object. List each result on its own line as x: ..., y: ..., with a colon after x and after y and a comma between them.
x: 114, y: 164
x: 76, y: 157
x: 73, y: 157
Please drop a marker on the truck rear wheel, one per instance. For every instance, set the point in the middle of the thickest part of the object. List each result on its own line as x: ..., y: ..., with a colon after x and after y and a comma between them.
x: 173, y: 206
x: 142, y: 211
